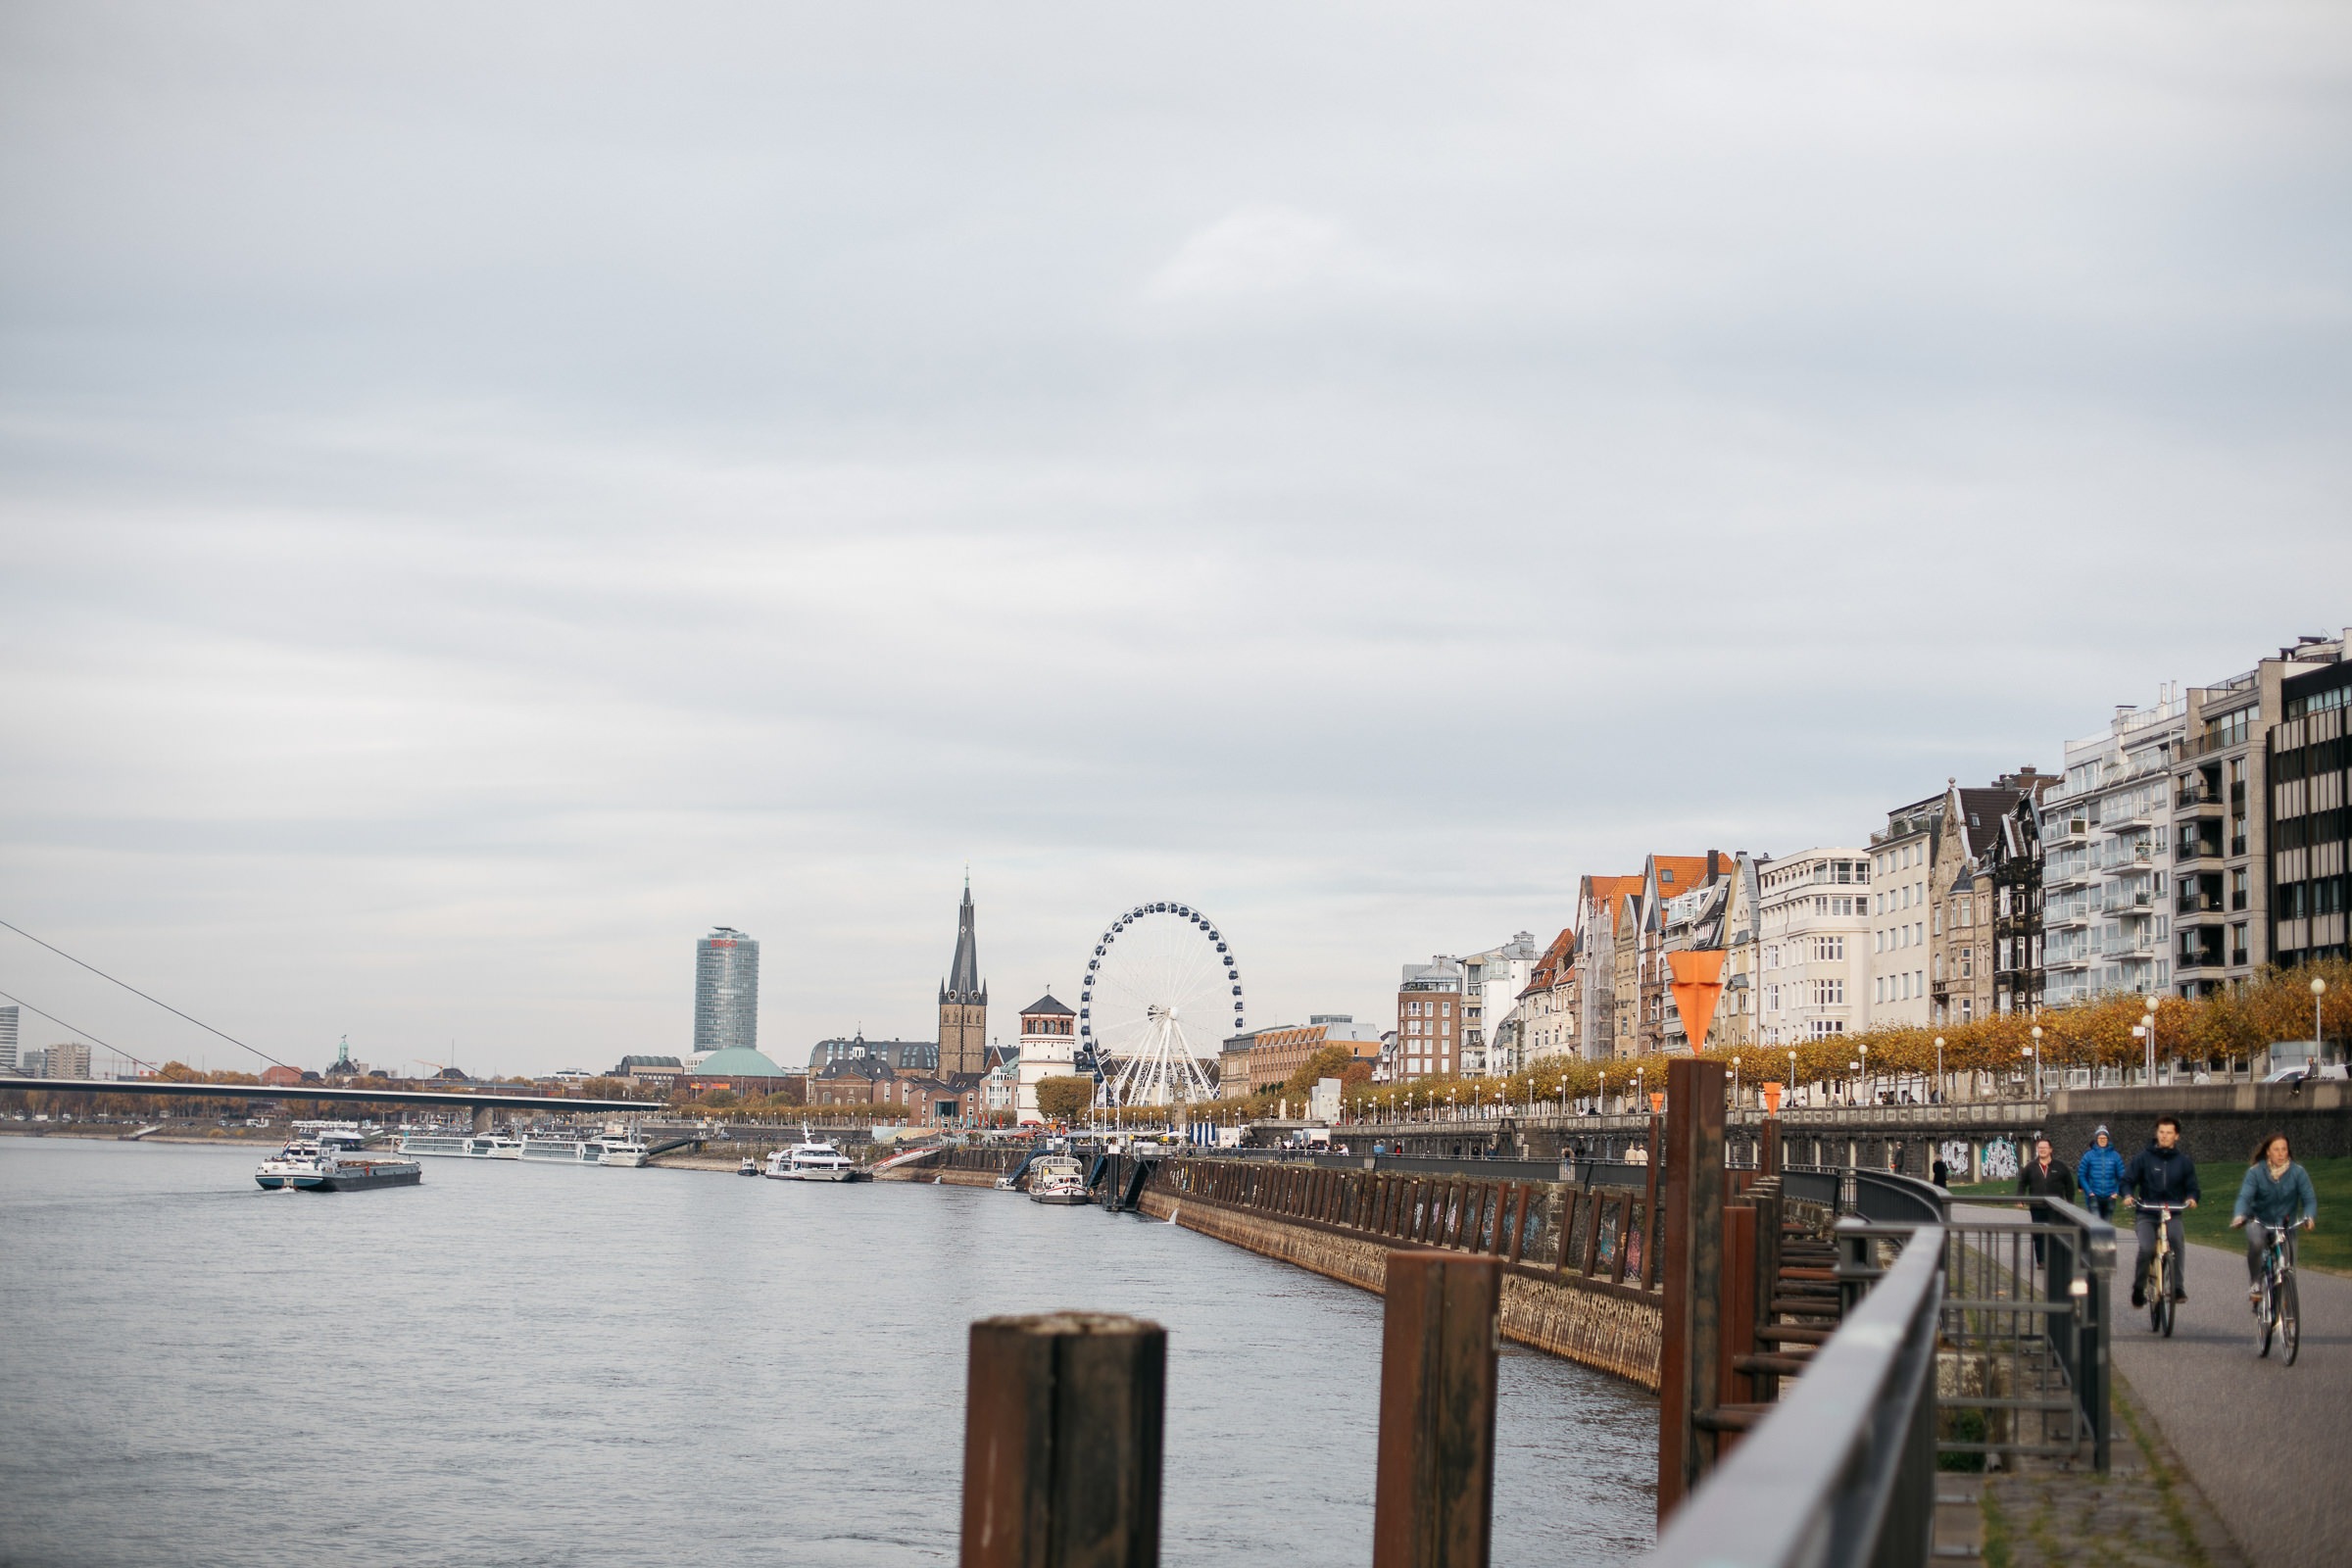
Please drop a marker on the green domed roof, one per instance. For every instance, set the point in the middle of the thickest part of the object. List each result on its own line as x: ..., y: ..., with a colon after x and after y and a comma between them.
x: 737, y: 1061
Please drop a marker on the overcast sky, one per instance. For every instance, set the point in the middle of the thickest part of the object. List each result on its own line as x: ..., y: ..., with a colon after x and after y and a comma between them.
x: 489, y: 492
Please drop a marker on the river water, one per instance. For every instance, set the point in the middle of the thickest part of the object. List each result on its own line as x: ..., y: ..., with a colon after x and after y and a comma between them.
x: 548, y: 1365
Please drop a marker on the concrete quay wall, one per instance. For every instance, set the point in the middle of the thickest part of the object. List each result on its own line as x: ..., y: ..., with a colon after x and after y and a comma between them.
x: 1613, y: 1332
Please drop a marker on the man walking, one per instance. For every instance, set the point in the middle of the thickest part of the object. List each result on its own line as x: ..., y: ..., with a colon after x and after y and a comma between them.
x: 2161, y: 1175
x: 2100, y: 1175
x: 2044, y: 1176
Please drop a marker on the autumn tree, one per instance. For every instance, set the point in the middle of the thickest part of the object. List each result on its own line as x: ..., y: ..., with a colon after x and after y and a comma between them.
x: 1064, y: 1100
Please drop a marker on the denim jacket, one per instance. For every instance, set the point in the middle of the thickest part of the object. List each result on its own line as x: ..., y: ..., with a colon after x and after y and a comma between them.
x: 2277, y: 1203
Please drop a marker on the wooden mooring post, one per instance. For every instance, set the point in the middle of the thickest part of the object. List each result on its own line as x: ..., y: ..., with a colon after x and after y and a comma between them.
x: 1433, y: 1494
x: 1690, y: 1358
x: 1063, y: 1416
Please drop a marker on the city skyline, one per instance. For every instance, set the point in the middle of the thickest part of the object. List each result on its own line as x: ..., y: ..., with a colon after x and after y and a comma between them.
x: 445, y: 560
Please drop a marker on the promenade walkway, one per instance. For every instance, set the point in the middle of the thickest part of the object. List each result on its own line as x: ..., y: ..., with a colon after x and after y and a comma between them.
x: 2264, y: 1444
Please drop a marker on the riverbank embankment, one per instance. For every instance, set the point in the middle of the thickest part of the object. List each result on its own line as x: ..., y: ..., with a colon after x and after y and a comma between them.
x: 1565, y: 1290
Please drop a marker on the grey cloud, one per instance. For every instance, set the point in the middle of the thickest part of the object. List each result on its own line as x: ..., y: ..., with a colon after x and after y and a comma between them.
x: 485, y: 495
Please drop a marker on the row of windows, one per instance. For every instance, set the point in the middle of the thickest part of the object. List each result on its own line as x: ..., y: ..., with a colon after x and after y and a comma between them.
x: 2320, y: 828
x: 1428, y: 1009
x: 1902, y: 987
x: 2326, y: 757
x: 2318, y: 702
x: 2321, y: 895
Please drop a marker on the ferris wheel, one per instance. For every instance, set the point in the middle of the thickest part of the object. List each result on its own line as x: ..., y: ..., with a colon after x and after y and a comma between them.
x: 1154, y: 1001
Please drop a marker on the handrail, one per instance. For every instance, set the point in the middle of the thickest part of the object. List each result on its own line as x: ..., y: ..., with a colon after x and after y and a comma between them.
x: 1844, y: 1470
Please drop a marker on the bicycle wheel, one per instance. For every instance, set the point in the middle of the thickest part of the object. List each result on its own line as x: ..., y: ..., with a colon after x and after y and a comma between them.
x: 2264, y: 1320
x: 2290, y: 1322
x: 2152, y: 1282
x: 2171, y: 1282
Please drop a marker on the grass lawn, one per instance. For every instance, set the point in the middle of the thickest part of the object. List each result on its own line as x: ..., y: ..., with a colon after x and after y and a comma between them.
x: 2329, y: 1247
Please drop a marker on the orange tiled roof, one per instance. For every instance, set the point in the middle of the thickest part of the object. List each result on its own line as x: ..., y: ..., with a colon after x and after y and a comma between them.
x: 1690, y: 871
x: 1548, y: 968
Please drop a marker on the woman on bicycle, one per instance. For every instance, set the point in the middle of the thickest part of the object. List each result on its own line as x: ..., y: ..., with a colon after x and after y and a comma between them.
x: 2276, y: 1192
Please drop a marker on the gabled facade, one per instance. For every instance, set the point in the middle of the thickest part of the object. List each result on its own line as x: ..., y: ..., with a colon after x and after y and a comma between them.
x: 1547, y: 1006
x: 2016, y: 876
x: 1962, y: 919
x: 1598, y: 903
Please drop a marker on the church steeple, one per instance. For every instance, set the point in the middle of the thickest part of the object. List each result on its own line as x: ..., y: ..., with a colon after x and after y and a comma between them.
x: 963, y: 999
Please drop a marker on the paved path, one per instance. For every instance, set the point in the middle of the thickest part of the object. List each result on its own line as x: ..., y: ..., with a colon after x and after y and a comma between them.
x: 2267, y: 1445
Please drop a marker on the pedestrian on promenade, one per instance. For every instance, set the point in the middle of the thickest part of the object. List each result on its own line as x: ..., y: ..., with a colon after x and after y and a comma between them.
x: 2044, y: 1176
x: 2160, y: 1174
x: 2100, y: 1175
x: 2276, y: 1192
x: 1940, y: 1173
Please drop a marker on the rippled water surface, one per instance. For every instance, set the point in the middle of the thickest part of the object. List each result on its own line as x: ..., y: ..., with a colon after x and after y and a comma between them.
x: 535, y: 1364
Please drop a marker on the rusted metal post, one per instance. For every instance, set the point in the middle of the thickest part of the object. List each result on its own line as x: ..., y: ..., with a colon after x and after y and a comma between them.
x: 1741, y: 1310
x: 1691, y: 1347
x: 1064, y: 1414
x: 1434, y: 1494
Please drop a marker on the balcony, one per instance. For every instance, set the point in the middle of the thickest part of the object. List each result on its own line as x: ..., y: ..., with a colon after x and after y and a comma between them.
x: 2192, y: 851
x: 2070, y: 961
x: 2073, y: 876
x: 2199, y: 803
x: 2067, y: 918
x: 2198, y: 906
x: 2066, y: 830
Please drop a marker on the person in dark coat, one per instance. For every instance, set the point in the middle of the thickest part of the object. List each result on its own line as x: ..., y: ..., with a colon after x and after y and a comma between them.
x: 1940, y: 1173
x: 2045, y: 1175
x: 2161, y: 1174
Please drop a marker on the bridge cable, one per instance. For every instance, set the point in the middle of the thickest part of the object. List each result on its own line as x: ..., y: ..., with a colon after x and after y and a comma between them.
x: 136, y: 992
x: 70, y: 1029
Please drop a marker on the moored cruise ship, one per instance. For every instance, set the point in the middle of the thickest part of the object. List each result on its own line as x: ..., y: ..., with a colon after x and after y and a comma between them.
x: 450, y: 1142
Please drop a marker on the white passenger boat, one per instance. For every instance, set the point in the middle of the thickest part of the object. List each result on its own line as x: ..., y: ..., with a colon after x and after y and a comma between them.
x: 626, y: 1150
x: 1057, y: 1179
x: 311, y: 1165
x: 457, y: 1145
x: 814, y: 1159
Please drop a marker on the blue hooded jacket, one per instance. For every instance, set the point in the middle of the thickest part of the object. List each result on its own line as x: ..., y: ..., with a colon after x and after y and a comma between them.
x: 2100, y: 1172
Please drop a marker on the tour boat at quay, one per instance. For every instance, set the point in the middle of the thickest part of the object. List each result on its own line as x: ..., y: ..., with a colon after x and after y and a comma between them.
x: 627, y: 1152
x: 814, y: 1160
x: 460, y: 1145
x: 559, y: 1149
x: 309, y: 1166
x: 1057, y: 1179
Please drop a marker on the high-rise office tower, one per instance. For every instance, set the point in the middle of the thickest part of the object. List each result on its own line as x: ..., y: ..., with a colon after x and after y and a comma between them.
x: 726, y: 992
x: 8, y: 1040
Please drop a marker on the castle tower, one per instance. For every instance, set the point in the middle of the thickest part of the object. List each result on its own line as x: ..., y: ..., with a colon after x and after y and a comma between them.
x: 964, y: 1002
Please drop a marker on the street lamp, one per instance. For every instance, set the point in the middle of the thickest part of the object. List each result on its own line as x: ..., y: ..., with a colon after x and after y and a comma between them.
x: 1866, y: 1070
x: 2319, y: 989
x: 2149, y: 1024
x: 1939, y: 1065
x: 2033, y: 1052
x: 1734, y: 1080
x: 1792, y: 1076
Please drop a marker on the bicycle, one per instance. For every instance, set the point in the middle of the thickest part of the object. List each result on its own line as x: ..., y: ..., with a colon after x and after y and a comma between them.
x: 2277, y: 1310
x: 2160, y: 1276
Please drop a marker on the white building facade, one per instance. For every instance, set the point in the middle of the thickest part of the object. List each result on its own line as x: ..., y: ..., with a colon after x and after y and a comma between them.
x: 2106, y: 834
x: 1902, y: 892
x: 1814, y: 929
x: 1049, y: 1050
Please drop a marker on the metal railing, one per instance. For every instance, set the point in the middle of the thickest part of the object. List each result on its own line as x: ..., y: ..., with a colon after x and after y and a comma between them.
x: 1844, y: 1471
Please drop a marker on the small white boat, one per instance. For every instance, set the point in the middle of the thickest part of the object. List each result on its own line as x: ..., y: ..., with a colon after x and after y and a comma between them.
x: 1057, y: 1179
x: 748, y: 1168
x: 627, y: 1152
x: 814, y: 1159
x: 315, y: 1165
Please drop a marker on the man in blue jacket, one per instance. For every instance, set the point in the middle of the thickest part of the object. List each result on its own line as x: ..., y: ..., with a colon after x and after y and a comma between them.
x: 2161, y: 1174
x: 2100, y: 1175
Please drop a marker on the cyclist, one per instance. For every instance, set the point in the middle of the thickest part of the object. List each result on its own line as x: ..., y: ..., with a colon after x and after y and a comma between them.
x: 2159, y: 1175
x: 2100, y: 1174
x: 2276, y: 1191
